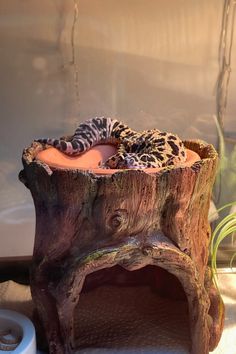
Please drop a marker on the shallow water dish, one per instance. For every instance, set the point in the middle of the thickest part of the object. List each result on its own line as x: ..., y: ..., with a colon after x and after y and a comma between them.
x: 90, y: 159
x: 20, y: 327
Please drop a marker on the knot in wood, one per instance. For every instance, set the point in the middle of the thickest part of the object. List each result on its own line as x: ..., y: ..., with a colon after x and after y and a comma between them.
x: 118, y: 219
x: 147, y: 251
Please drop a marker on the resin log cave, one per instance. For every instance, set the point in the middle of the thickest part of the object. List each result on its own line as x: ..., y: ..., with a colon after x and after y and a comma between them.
x: 87, y: 222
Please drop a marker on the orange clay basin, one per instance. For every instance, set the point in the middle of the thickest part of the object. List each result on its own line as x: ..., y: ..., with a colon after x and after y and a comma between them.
x: 90, y: 159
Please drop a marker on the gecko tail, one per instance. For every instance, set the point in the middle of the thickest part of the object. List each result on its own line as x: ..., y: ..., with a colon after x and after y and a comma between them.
x: 67, y: 147
x: 44, y: 141
x: 48, y: 141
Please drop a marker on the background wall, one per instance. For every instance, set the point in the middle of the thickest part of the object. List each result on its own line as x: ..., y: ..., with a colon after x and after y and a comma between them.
x: 151, y: 63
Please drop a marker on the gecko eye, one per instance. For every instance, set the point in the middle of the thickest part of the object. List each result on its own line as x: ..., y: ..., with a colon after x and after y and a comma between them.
x: 130, y: 163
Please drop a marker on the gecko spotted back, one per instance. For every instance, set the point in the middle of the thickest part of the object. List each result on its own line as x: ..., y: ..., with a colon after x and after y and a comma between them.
x: 150, y: 148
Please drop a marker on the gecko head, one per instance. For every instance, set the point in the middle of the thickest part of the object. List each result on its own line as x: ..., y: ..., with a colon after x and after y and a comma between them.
x: 131, y: 161
x: 125, y: 161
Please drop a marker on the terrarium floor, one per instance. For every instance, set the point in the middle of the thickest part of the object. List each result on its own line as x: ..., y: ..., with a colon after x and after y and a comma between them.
x: 131, y: 320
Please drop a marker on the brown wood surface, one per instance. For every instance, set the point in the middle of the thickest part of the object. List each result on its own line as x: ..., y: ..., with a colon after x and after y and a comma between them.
x: 86, y: 222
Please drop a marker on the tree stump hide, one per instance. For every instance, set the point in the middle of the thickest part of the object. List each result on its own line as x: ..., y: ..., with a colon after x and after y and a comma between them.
x: 87, y: 222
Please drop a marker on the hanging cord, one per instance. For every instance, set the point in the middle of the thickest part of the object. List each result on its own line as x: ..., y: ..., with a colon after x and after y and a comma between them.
x: 73, y: 55
x: 222, y: 84
x: 224, y: 59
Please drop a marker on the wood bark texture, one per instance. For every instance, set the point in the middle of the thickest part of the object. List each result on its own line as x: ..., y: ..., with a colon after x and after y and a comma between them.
x: 85, y: 223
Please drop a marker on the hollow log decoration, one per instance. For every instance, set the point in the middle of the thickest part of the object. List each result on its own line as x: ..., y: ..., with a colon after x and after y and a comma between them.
x: 87, y: 222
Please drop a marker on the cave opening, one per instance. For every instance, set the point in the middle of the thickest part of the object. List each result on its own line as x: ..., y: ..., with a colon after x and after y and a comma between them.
x: 143, y: 310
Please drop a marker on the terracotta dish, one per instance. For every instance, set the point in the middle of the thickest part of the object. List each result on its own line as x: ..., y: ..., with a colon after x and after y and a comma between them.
x: 90, y: 159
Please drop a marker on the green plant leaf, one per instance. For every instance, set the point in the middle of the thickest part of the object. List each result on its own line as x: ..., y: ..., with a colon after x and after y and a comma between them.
x: 225, y: 228
x: 228, y: 231
x: 223, y: 222
x: 231, y: 260
x: 223, y: 207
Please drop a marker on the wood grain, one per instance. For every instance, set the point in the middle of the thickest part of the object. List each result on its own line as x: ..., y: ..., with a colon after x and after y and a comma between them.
x: 87, y: 222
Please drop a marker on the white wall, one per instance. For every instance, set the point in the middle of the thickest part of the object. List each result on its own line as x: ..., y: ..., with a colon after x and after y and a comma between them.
x: 153, y: 63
